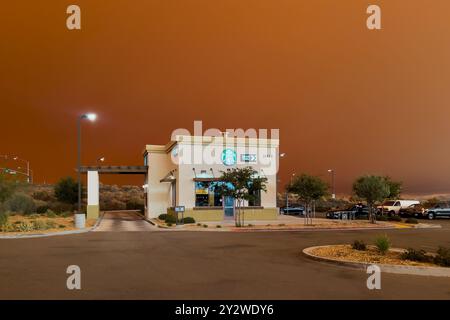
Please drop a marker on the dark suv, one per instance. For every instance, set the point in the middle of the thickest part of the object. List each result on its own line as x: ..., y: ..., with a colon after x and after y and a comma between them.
x: 294, y: 210
x: 352, y: 212
x: 440, y: 210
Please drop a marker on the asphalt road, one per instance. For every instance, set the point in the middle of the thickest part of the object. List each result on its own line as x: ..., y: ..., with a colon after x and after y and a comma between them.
x: 205, y: 265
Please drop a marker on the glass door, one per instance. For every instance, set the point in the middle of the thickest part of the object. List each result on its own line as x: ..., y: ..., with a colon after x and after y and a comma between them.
x: 228, y: 207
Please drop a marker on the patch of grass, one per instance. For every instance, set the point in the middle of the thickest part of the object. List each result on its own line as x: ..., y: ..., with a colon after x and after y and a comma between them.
x: 359, y: 245
x: 39, y: 225
x: 383, y: 244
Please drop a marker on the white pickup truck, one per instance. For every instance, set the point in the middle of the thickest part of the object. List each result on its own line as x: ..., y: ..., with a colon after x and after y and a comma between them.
x: 392, y: 207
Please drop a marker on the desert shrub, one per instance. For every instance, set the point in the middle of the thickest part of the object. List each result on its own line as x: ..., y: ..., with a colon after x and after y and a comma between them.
x: 205, y: 226
x: 61, y: 226
x: 188, y: 220
x: 162, y: 216
x: 383, y: 244
x: 42, y: 195
x: 112, y: 204
x: 442, y: 257
x: 170, y: 219
x: 66, y: 190
x: 3, y: 219
x: 39, y: 225
x: 199, y: 224
x: 169, y: 224
x: 50, y: 214
x: 250, y: 225
x: 42, y: 209
x: 21, y: 203
x: 7, y: 227
x: 359, y: 245
x: 218, y: 226
x: 59, y: 207
x: 412, y: 220
x: 394, y: 218
x: 23, y: 227
x: 415, y: 255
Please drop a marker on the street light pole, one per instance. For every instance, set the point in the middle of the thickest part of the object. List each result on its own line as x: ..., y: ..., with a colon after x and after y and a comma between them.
x: 333, y: 190
x: 91, y: 117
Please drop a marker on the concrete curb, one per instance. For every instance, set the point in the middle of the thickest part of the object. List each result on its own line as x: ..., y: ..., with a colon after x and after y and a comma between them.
x: 388, y: 268
x: 52, y: 234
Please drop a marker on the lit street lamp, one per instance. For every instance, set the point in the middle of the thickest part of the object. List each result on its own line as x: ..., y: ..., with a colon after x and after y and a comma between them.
x: 333, y: 190
x: 90, y: 117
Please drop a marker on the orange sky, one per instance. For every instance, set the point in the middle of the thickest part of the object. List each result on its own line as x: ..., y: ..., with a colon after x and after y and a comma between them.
x: 342, y: 96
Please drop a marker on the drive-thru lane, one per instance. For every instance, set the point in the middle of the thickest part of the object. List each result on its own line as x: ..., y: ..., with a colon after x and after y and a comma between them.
x: 123, y: 221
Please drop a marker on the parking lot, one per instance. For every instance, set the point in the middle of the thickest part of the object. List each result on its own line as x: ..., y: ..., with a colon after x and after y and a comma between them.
x: 206, y: 265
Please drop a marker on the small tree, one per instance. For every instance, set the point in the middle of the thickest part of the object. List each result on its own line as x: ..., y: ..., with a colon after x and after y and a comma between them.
x: 66, y: 190
x: 308, y: 189
x: 372, y: 189
x: 395, y: 188
x: 242, y: 184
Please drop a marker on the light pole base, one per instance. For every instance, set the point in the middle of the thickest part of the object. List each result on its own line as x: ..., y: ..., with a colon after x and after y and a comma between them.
x: 80, y: 220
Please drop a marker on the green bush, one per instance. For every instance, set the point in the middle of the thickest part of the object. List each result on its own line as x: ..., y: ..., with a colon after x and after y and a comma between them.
x: 383, y: 244
x: 170, y: 219
x: 199, y: 224
x: 218, y: 226
x: 187, y: 220
x: 23, y: 227
x: 42, y: 209
x: 21, y: 203
x: 359, y: 245
x: 442, y: 257
x: 135, y: 204
x: 3, y: 219
x: 394, y: 218
x: 169, y: 224
x: 205, y: 226
x: 412, y: 220
x: 415, y: 255
x: 382, y: 218
x: 162, y: 216
x: 66, y: 190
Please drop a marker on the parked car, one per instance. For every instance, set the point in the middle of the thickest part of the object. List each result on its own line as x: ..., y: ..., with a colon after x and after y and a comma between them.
x: 392, y: 207
x: 352, y: 212
x: 414, y: 210
x: 294, y: 210
x: 442, y: 209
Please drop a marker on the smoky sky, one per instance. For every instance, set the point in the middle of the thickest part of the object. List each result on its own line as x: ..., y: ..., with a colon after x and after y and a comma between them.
x: 343, y: 97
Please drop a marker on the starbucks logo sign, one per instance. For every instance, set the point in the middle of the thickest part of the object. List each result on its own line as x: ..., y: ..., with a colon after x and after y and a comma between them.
x: 229, y: 157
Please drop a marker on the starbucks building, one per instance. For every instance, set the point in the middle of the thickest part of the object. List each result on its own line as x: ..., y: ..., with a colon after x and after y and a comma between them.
x: 184, y: 173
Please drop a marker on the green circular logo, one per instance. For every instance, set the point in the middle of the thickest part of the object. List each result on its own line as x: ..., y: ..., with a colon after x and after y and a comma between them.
x: 229, y: 157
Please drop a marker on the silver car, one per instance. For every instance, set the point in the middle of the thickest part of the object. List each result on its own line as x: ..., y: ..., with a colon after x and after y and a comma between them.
x: 442, y: 209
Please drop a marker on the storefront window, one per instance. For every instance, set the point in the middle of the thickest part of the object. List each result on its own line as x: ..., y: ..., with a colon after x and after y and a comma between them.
x: 255, y: 199
x: 205, y: 194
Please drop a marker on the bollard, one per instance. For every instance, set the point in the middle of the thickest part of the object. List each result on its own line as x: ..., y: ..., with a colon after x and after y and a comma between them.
x: 80, y: 220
